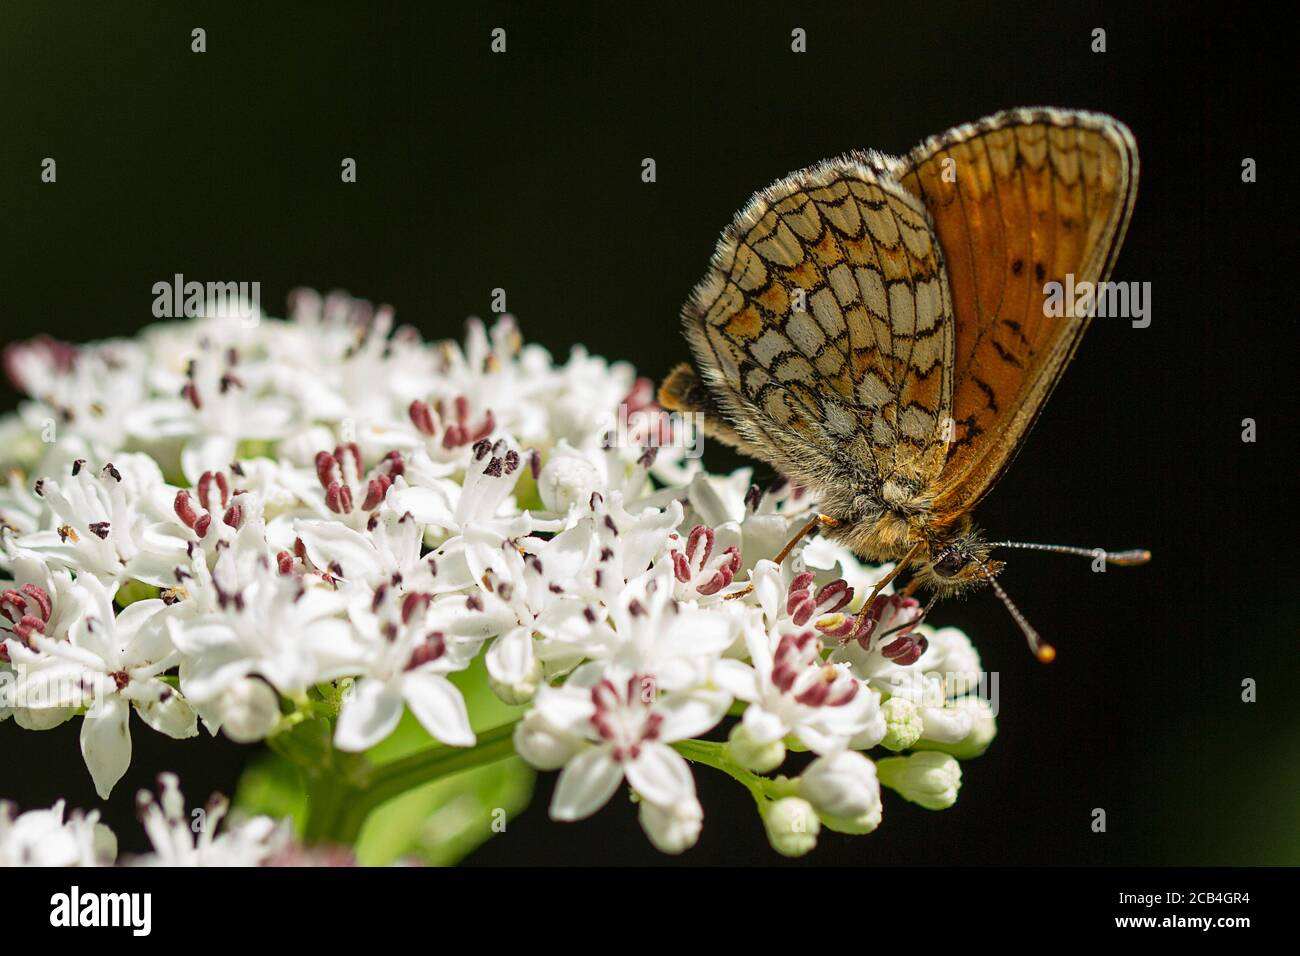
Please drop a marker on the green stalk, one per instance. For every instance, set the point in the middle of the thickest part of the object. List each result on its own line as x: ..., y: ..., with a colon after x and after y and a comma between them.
x: 338, y: 808
x: 718, y: 756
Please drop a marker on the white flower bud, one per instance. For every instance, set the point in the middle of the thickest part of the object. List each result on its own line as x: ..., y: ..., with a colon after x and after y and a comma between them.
x: 952, y: 655
x: 792, y: 826
x: 522, y: 691
x: 542, y: 745
x: 760, y: 758
x: 903, y: 723
x: 929, y: 778
x: 567, y: 478
x: 40, y: 718
x: 672, y: 829
x: 248, y: 711
x: 855, y: 826
x: 841, y: 784
x: 874, y: 728
x: 983, y: 728
x: 945, y: 725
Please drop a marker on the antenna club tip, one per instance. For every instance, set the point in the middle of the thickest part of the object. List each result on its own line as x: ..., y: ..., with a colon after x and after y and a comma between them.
x: 1046, y: 653
x: 1126, y: 559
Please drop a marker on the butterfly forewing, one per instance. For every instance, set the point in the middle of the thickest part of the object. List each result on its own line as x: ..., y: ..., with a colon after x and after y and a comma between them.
x: 824, y: 330
x: 1018, y: 200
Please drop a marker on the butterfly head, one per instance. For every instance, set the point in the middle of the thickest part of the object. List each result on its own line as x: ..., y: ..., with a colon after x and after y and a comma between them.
x: 958, y: 562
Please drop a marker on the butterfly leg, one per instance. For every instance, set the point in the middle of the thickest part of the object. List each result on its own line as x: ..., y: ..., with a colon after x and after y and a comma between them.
x: 825, y: 521
x: 863, y: 615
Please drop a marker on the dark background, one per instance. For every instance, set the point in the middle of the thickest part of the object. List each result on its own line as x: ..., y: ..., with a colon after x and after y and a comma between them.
x: 523, y: 171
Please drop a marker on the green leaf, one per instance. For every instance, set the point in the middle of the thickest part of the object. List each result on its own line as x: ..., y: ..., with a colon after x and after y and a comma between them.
x: 443, y: 821
x: 133, y: 591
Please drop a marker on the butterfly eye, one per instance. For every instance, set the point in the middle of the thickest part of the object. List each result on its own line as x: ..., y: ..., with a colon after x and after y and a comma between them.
x: 950, y: 564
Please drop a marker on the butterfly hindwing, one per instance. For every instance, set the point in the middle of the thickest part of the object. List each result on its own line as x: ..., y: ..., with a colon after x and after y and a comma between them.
x: 1018, y: 200
x: 823, y: 331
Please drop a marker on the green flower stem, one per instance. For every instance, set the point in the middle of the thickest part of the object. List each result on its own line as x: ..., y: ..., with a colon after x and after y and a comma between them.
x: 339, y: 808
x: 396, y: 777
x: 718, y: 756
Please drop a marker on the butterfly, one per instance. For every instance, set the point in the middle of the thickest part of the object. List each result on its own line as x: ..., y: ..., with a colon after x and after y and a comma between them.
x: 874, y: 328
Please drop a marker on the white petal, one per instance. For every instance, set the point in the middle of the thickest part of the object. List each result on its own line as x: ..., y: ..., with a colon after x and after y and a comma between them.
x: 567, y: 708
x: 647, y: 536
x: 172, y: 716
x: 439, y: 707
x: 697, y: 633
x: 204, y: 678
x: 661, y: 775
x: 210, y: 453
x: 198, y: 637
x: 586, y: 784
x: 510, y: 658
x: 690, y: 714
x: 763, y: 726
x: 428, y: 506
x: 565, y: 555
x: 336, y: 649
x: 370, y: 713
x: 736, y: 678
x: 819, y: 739
x: 106, y: 743
x: 331, y: 542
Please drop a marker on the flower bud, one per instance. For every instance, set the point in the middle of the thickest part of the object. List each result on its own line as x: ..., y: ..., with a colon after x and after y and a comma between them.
x: 675, y: 828
x: 792, y: 826
x: 903, y: 723
x: 874, y: 725
x: 248, y: 711
x: 40, y: 718
x: 541, y: 744
x: 841, y: 784
x: 983, y: 728
x: 567, y: 479
x: 929, y: 778
x: 855, y: 826
x: 946, y: 724
x: 760, y: 758
x: 951, y: 654
x: 521, y: 691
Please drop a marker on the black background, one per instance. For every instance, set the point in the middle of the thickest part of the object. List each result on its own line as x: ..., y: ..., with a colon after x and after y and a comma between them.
x: 522, y: 171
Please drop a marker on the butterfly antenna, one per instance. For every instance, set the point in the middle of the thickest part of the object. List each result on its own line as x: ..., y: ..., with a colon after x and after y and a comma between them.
x: 1123, y: 559
x: 1043, y: 651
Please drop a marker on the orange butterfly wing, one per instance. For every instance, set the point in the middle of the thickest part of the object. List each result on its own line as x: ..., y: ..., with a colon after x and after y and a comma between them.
x: 1018, y: 200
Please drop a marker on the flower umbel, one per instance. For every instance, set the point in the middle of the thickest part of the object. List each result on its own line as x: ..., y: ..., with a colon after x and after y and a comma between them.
x: 300, y: 532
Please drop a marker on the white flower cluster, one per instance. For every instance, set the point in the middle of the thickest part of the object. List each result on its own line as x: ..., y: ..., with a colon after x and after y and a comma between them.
x: 201, y: 837
x: 216, y: 519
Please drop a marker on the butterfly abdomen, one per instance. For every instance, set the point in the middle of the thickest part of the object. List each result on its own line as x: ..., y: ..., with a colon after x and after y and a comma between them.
x: 684, y: 393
